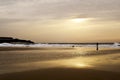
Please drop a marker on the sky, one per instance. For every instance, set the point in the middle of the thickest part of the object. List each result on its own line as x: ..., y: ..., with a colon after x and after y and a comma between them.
x: 61, y: 20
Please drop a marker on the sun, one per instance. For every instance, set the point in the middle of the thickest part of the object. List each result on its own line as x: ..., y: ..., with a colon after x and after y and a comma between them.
x: 79, y: 20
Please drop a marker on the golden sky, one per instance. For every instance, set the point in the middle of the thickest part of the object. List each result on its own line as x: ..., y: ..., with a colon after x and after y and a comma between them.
x: 61, y: 20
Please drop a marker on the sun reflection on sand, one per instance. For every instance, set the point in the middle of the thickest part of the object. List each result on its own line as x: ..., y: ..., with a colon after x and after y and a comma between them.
x: 76, y: 64
x: 70, y: 63
x: 81, y: 65
x: 109, y: 62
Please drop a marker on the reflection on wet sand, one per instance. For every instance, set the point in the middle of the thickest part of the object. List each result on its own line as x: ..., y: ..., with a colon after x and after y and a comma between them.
x: 86, y: 62
x: 100, y: 62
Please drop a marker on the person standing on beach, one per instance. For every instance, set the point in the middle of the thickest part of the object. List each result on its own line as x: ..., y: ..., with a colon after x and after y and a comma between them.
x: 97, y: 46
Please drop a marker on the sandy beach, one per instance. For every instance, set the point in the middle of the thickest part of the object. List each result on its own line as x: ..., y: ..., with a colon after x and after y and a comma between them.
x: 73, y: 66
x: 62, y: 74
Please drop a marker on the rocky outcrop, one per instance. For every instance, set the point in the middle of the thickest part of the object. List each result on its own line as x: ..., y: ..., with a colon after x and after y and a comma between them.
x: 15, y: 40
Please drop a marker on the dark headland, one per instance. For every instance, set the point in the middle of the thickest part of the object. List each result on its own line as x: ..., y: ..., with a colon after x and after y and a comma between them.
x: 15, y: 40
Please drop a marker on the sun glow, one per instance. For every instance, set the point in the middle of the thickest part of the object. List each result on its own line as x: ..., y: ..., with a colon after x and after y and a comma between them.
x: 79, y: 20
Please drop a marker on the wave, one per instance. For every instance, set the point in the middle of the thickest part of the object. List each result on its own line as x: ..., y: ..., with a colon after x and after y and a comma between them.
x: 115, y: 45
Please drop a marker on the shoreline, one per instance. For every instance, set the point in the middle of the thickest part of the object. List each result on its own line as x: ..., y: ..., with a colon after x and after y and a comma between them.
x: 33, y: 48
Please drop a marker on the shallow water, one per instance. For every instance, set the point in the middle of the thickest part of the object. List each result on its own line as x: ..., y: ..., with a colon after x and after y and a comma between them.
x: 22, y: 60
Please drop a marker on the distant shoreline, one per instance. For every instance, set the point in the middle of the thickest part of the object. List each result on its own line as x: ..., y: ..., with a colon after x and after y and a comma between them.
x: 113, y: 45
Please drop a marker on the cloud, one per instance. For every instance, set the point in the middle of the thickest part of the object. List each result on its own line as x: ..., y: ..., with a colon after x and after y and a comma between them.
x: 12, y: 11
x: 55, y: 8
x: 49, y: 14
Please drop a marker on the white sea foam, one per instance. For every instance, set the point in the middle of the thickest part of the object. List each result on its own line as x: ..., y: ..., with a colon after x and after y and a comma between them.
x: 115, y: 45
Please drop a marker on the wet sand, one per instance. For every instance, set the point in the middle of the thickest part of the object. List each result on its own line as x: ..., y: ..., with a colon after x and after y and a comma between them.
x: 62, y: 74
x: 33, y: 48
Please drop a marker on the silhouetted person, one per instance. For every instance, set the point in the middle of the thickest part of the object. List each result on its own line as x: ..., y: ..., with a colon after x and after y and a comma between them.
x: 97, y: 46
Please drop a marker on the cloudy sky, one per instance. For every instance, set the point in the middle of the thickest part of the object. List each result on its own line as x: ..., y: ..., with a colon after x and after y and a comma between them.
x: 61, y: 20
